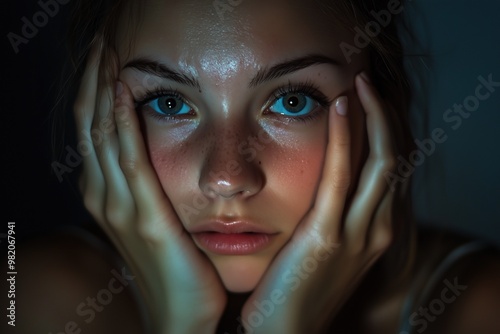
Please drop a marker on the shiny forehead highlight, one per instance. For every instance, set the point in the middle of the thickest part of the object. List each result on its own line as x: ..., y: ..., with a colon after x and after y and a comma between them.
x: 107, y: 21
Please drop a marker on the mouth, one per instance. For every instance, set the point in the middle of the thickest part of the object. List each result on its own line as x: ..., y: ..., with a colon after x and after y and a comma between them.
x: 232, y: 238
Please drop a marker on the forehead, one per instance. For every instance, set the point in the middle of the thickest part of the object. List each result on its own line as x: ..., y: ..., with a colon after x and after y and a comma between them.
x: 252, y: 28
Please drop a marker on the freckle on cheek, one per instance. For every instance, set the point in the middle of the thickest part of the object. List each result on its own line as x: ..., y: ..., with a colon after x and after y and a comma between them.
x: 300, y: 168
x: 167, y: 163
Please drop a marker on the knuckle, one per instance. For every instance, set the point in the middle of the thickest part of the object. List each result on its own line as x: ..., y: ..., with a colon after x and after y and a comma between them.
x: 145, y: 231
x: 122, y: 116
x: 389, y: 163
x: 382, y: 240
x: 341, y: 179
x: 117, y: 217
x: 342, y: 140
x: 385, y: 164
x: 129, y: 166
x: 93, y: 206
x: 150, y: 231
x: 78, y: 106
x: 81, y: 108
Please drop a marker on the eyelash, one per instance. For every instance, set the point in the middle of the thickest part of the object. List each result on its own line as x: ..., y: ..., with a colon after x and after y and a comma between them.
x: 155, y: 93
x: 306, y: 88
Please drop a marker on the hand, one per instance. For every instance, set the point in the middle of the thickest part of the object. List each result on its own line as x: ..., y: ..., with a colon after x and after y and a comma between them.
x: 337, y: 242
x: 122, y: 192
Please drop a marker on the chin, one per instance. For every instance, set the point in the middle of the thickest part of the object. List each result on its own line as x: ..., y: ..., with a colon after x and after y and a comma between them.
x: 240, y: 274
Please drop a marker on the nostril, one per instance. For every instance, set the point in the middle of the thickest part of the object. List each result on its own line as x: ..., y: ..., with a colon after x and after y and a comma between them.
x: 229, y: 178
x: 227, y: 196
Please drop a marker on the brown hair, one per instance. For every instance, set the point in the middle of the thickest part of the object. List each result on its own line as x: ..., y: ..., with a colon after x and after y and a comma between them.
x: 389, y: 76
x: 90, y: 22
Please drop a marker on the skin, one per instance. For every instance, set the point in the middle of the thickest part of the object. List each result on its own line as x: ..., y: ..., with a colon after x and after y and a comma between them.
x: 136, y: 177
x: 189, y: 155
x: 334, y: 217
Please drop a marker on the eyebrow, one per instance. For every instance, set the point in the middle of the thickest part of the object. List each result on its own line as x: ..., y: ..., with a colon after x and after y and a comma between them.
x: 163, y: 71
x: 263, y: 75
x: 290, y: 66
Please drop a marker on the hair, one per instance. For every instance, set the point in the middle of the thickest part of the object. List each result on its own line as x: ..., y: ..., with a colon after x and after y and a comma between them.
x: 90, y: 22
x: 389, y: 76
x: 93, y: 20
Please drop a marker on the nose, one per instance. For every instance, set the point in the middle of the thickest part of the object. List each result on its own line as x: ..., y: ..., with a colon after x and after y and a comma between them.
x: 227, y: 173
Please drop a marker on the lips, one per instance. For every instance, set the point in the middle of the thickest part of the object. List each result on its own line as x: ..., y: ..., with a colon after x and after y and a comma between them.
x: 224, y: 237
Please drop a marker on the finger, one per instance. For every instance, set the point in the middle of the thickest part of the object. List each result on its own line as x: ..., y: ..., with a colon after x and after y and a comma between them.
x: 381, y: 141
x: 154, y: 209
x: 336, y: 179
x: 372, y: 185
x: 86, y: 111
x: 151, y: 204
x: 92, y: 183
x: 91, y: 179
x: 119, y: 206
x: 380, y: 236
x: 119, y: 209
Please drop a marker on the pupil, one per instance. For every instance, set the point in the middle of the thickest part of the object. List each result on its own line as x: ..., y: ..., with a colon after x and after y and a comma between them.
x: 293, y: 101
x: 171, y: 104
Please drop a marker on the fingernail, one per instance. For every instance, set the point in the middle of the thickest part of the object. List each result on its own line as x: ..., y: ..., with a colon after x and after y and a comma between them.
x: 341, y: 105
x: 119, y: 89
x: 365, y: 77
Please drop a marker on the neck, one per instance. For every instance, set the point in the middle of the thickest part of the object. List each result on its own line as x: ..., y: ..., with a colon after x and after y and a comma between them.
x: 230, y: 321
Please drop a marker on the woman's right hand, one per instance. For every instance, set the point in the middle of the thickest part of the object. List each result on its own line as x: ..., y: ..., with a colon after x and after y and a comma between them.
x: 121, y: 190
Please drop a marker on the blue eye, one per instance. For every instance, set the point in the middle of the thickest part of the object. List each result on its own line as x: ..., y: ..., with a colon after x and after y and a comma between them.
x: 169, y: 105
x: 294, y: 104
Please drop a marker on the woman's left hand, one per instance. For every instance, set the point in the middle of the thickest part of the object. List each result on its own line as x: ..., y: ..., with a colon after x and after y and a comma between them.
x: 337, y: 241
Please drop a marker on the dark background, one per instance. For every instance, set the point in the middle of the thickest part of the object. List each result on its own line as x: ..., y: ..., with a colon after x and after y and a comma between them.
x: 457, y: 188
x: 30, y: 81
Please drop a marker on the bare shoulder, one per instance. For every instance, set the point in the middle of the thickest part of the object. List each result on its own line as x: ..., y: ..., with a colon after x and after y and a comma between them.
x: 467, y: 298
x: 477, y: 308
x: 66, y: 284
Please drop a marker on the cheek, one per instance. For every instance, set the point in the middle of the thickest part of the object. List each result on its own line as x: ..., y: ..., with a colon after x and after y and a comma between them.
x: 174, y: 164
x: 169, y: 164
x: 293, y: 171
x: 297, y: 173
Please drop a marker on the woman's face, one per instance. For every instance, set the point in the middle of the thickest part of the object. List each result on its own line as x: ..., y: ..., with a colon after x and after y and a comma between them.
x: 234, y: 99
